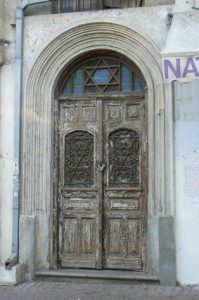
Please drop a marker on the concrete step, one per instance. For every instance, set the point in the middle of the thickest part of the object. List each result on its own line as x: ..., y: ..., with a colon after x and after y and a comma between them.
x: 95, y: 276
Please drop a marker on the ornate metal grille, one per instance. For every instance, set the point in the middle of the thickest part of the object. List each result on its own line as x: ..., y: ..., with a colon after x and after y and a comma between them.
x: 83, y: 5
x: 124, y: 150
x: 79, y: 159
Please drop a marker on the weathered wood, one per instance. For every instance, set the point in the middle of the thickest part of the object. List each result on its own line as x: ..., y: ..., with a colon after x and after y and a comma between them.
x: 78, y: 211
x: 99, y: 219
x: 125, y: 200
x: 104, y: 225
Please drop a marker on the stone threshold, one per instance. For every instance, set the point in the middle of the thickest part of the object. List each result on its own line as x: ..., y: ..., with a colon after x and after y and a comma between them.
x: 69, y: 275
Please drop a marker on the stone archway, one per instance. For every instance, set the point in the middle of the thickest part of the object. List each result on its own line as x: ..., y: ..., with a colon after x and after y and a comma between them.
x: 102, y: 164
x: 37, y: 141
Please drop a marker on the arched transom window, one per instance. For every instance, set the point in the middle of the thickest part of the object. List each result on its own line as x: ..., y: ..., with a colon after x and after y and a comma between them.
x: 102, y: 75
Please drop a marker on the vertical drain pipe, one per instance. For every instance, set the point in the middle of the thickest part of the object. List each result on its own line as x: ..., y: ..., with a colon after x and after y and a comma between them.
x: 1, y: 31
x: 13, y: 260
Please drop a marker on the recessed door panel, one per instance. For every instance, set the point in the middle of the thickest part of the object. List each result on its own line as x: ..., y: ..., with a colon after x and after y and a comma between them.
x: 70, y: 236
x: 115, y: 235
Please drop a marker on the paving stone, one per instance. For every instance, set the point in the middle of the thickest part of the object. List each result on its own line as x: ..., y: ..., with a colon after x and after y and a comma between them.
x: 75, y: 291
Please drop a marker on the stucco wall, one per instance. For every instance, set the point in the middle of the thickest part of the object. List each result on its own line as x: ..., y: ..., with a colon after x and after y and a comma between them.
x: 183, y: 5
x: 6, y: 158
x: 187, y: 147
x: 40, y: 30
x: 149, y: 22
x: 10, y: 30
x: 7, y: 92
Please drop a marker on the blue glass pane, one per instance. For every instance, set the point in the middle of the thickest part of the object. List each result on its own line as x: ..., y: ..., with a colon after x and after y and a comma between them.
x: 101, y: 76
x: 112, y: 63
x: 78, y: 89
x: 138, y: 86
x: 67, y: 89
x: 92, y: 63
x: 91, y: 89
x: 78, y: 80
x: 79, y: 77
x: 126, y: 88
x: 112, y: 88
x: 68, y: 6
x: 126, y: 79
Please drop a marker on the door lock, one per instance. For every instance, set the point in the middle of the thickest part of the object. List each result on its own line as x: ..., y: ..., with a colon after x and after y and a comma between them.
x: 101, y: 166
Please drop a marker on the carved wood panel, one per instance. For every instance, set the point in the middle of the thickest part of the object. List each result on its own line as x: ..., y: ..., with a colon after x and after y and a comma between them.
x: 78, y: 188
x: 125, y: 184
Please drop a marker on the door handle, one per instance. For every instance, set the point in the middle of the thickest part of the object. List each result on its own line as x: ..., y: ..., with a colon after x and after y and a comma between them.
x: 101, y: 166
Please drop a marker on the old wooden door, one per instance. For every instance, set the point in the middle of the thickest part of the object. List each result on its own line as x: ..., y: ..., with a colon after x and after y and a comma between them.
x: 102, y: 173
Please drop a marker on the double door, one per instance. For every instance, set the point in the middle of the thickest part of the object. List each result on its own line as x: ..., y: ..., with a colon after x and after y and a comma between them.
x: 102, y: 183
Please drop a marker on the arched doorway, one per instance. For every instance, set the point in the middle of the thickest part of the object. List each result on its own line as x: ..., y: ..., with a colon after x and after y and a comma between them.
x: 101, y: 158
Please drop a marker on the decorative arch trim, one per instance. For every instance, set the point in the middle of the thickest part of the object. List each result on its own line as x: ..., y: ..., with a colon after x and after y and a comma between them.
x: 38, y: 108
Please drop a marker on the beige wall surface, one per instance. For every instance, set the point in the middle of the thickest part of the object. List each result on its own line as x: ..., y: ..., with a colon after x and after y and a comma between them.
x: 40, y: 32
x: 7, y: 90
x: 10, y: 30
x: 186, y: 161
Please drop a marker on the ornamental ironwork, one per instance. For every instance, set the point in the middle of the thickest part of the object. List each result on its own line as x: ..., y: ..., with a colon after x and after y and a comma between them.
x: 124, y: 158
x: 79, y: 159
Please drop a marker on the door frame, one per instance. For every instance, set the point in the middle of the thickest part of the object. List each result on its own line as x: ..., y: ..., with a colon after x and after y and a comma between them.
x: 101, y: 97
x: 40, y: 81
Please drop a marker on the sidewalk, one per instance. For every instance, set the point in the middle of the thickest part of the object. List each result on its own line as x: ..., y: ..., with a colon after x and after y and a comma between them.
x: 73, y: 291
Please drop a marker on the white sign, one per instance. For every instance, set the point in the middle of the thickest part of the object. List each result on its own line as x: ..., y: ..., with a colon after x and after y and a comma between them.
x: 181, y: 68
x: 191, y: 182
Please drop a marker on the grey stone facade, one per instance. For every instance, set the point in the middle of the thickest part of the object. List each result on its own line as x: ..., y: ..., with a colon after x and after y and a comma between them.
x: 51, y: 42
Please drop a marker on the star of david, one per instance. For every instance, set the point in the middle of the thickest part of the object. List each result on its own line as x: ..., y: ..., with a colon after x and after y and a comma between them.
x: 102, y: 76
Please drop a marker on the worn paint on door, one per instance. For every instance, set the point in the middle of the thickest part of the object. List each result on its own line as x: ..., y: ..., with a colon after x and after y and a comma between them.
x: 102, y: 182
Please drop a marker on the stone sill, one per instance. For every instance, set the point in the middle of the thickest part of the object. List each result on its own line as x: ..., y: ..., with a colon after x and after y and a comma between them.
x: 96, y: 275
